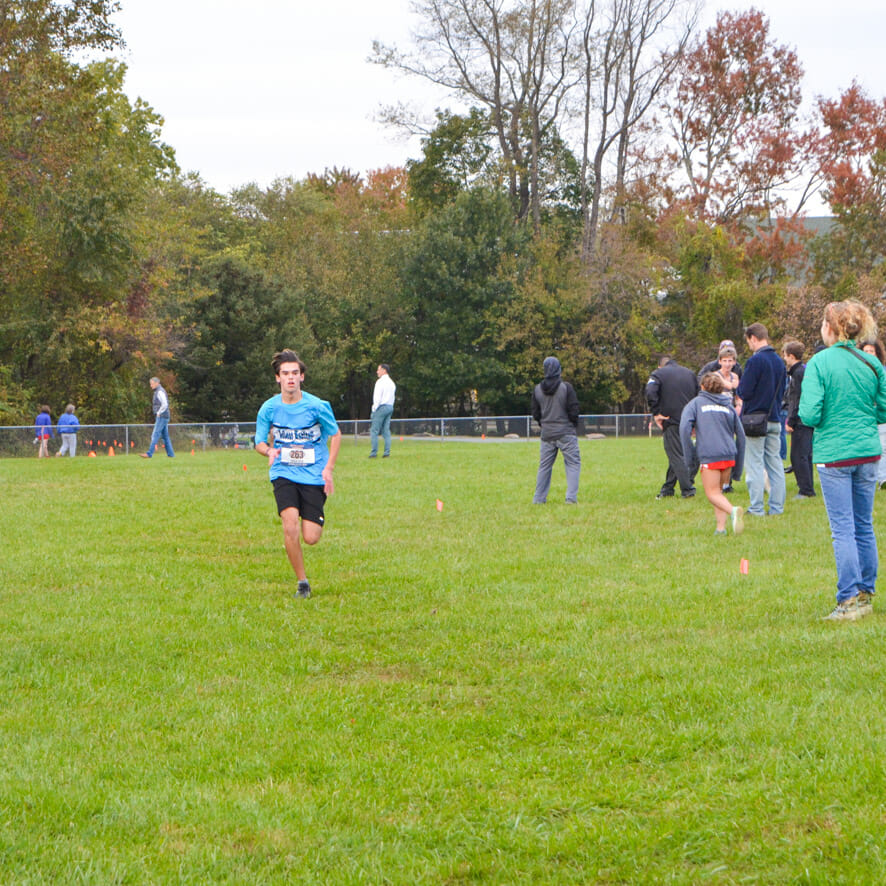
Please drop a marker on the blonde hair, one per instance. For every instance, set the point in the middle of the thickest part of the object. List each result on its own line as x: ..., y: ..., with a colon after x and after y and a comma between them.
x: 850, y: 320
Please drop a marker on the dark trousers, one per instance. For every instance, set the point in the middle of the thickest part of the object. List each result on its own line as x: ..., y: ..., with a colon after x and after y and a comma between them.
x: 801, y: 459
x: 677, y: 470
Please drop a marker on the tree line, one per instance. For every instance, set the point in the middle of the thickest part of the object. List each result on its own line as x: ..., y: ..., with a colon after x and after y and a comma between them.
x: 615, y: 184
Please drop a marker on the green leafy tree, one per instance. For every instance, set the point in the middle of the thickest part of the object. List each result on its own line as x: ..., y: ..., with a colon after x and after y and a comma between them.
x: 458, y: 277
x: 223, y: 368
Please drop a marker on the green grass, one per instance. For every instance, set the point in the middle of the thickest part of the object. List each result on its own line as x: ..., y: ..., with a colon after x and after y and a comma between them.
x: 494, y: 693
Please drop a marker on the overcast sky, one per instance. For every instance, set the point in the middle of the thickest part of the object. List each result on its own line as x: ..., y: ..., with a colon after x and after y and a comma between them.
x: 255, y: 90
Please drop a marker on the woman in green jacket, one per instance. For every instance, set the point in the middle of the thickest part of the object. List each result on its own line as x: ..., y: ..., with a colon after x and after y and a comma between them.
x: 843, y: 399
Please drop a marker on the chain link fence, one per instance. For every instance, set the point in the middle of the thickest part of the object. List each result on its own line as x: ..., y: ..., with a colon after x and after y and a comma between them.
x: 19, y: 441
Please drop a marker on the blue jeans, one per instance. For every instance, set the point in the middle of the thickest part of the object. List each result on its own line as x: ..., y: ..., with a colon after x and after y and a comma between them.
x: 763, y: 454
x: 571, y: 461
x: 381, y: 424
x: 849, y: 500
x: 161, y: 432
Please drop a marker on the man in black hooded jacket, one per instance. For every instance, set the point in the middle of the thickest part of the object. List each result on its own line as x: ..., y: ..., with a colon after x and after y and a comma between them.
x: 555, y: 408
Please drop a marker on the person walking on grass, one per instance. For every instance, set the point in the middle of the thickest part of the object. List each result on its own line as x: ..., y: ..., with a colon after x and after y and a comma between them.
x: 555, y: 407
x: 843, y: 399
x: 43, y: 431
x: 68, y: 425
x: 669, y: 389
x: 719, y: 446
x: 160, y: 406
x: 299, y: 436
x: 382, y: 409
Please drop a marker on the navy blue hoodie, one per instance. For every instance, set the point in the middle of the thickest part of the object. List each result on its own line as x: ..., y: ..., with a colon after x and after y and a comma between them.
x: 719, y: 435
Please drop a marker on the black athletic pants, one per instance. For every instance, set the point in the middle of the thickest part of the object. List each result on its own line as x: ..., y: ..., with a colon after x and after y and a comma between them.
x: 801, y: 459
x: 677, y: 471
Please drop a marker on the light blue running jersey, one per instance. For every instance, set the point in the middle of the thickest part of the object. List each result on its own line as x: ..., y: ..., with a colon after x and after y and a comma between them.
x: 300, y: 430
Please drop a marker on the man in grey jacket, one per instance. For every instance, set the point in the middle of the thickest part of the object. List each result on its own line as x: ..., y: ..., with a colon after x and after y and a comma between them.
x: 555, y: 408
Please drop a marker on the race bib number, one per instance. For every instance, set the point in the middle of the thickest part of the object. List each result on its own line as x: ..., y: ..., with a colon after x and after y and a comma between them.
x: 297, y: 456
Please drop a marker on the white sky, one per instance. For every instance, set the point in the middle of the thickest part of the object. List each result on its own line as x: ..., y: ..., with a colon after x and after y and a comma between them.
x: 255, y: 89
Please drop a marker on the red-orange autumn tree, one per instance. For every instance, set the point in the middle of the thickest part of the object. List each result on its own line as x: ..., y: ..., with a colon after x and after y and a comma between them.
x: 852, y: 165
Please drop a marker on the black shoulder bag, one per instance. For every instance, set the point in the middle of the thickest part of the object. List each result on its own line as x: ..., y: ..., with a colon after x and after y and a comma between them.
x: 755, y: 424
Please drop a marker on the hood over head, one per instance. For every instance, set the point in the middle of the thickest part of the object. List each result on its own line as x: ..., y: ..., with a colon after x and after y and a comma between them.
x: 552, y: 375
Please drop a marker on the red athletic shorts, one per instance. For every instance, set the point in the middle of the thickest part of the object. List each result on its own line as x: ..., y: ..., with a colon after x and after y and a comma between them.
x: 719, y: 465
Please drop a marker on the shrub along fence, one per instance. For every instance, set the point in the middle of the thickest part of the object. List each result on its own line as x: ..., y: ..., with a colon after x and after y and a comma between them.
x: 128, y: 439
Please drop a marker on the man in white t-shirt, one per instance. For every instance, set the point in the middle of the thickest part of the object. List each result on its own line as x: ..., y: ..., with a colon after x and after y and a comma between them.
x: 382, y: 409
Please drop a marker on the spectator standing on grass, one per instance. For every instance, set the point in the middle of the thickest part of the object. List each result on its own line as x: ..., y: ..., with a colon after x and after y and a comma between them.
x: 801, y: 435
x: 43, y: 431
x: 669, y: 389
x: 728, y: 360
x: 68, y: 425
x: 717, y: 364
x: 875, y: 347
x: 298, y: 434
x: 160, y: 405
x: 761, y: 390
x: 719, y: 447
x: 555, y: 407
x: 844, y: 399
x: 382, y: 409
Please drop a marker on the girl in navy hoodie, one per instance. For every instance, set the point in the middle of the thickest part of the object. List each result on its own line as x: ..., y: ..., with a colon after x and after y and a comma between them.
x: 719, y: 447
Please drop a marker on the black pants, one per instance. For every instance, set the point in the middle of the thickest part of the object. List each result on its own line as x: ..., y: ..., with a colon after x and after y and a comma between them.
x: 677, y: 471
x: 801, y: 459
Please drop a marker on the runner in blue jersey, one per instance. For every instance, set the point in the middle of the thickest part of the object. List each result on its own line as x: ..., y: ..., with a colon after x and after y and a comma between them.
x: 299, y: 435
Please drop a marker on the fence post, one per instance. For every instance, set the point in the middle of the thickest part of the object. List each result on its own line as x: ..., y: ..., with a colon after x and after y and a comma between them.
x: 442, y: 429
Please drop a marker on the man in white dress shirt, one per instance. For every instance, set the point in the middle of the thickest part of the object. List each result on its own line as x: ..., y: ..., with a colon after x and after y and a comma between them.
x: 382, y: 409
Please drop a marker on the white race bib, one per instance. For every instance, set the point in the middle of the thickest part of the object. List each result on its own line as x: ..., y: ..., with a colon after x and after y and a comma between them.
x: 297, y: 456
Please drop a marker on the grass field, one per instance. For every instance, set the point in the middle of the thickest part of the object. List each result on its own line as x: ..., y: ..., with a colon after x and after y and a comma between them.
x: 495, y: 693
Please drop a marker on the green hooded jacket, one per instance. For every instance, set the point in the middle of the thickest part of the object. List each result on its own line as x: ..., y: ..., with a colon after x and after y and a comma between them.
x: 844, y: 400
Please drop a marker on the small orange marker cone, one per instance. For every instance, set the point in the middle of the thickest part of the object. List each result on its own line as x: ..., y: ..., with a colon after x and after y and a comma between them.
x: 439, y: 505
x: 192, y: 452
x: 111, y: 450
x: 482, y: 436
x: 236, y: 446
x: 132, y: 444
x: 401, y: 439
x: 743, y: 566
x: 245, y: 468
x: 92, y: 455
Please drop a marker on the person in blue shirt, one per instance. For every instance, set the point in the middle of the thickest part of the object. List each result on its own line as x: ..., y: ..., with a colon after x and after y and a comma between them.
x: 68, y: 425
x: 298, y: 434
x: 43, y: 431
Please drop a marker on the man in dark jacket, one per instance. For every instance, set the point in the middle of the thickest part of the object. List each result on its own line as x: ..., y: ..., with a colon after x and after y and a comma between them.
x: 761, y: 390
x: 555, y: 408
x: 801, y: 435
x: 669, y: 389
